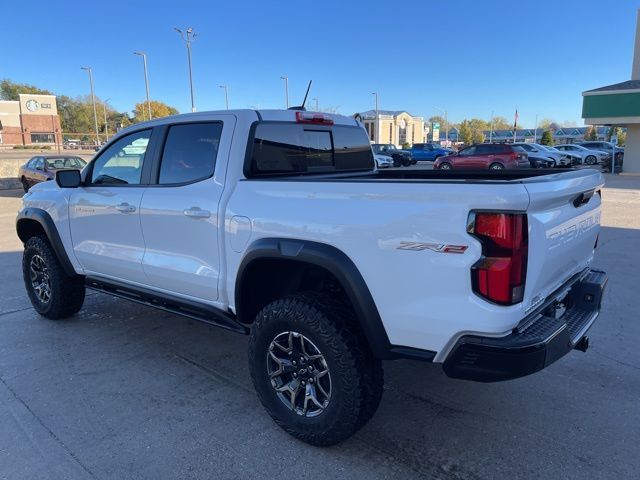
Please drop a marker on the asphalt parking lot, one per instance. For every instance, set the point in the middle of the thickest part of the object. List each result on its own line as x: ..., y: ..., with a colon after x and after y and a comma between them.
x: 122, y: 391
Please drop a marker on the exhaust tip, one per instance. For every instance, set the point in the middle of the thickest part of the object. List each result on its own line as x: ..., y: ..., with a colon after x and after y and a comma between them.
x: 583, y: 344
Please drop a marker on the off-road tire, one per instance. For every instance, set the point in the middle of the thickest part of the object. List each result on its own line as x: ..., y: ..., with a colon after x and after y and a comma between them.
x: 66, y: 292
x: 356, y: 376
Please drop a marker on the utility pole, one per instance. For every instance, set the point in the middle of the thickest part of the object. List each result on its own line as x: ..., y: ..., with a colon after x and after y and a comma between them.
x: 93, y: 100
x: 188, y: 38
x: 286, y: 89
x: 535, y: 131
x: 226, y: 95
x: 491, y: 127
x: 106, y: 125
x: 146, y: 79
x: 377, y: 122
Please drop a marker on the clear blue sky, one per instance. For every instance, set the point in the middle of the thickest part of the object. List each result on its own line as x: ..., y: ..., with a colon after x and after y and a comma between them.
x: 470, y: 57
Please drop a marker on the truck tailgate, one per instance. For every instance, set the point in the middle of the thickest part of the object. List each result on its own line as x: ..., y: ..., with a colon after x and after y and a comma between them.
x: 564, y: 221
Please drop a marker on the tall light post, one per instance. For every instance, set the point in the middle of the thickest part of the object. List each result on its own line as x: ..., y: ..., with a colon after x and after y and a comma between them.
x: 316, y: 100
x: 377, y: 122
x: 146, y: 79
x: 226, y: 95
x: 491, y: 127
x: 446, y: 122
x: 188, y: 37
x: 93, y: 100
x: 286, y: 89
x: 106, y: 125
x: 535, y: 132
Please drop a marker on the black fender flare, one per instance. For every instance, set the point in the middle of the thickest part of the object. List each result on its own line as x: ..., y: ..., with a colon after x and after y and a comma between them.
x: 340, y: 266
x: 23, y: 222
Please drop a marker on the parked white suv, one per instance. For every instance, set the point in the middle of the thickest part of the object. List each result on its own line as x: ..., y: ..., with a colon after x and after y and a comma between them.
x: 276, y: 224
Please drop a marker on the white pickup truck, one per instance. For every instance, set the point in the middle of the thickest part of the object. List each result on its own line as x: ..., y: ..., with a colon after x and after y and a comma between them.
x: 276, y: 224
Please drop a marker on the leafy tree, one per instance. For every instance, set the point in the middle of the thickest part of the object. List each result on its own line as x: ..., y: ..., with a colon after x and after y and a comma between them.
x: 622, y: 137
x: 545, y: 123
x: 501, y: 123
x: 547, y: 137
x: 158, y: 109
x: 477, y: 136
x: 10, y: 90
x: 591, y: 134
x: 465, y: 132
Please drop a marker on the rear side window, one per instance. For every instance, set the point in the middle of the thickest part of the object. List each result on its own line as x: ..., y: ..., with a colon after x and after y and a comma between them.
x: 281, y: 148
x: 190, y: 152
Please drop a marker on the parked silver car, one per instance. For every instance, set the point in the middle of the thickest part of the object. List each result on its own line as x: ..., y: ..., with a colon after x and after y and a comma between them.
x: 383, y: 161
x: 589, y: 157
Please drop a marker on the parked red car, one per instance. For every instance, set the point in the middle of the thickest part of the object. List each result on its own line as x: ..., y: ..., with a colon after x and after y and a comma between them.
x: 494, y: 156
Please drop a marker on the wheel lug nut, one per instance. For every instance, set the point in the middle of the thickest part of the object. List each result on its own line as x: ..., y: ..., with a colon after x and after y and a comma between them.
x: 294, y: 362
x: 295, y: 374
x: 303, y: 383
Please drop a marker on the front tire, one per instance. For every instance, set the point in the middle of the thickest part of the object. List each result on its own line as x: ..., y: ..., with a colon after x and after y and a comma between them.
x: 52, y: 292
x: 445, y: 166
x: 312, y: 369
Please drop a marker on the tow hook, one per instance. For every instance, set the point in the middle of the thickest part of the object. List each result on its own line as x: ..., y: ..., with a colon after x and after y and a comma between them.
x: 582, y: 344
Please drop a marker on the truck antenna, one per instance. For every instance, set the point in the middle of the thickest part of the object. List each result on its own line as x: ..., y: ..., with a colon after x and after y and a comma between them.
x: 301, y: 107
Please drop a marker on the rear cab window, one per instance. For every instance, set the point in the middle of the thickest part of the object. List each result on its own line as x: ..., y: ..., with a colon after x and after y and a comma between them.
x: 189, y: 153
x: 282, y: 148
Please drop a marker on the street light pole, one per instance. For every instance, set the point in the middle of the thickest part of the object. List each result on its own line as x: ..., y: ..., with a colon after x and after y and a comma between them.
x: 286, y: 89
x: 377, y: 122
x: 106, y: 125
x: 146, y: 79
x: 316, y: 100
x: 226, y: 95
x: 188, y: 38
x: 491, y: 127
x: 93, y: 100
x: 535, y: 131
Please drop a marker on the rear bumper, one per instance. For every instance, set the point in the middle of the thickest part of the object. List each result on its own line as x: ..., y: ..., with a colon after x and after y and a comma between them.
x: 536, y: 343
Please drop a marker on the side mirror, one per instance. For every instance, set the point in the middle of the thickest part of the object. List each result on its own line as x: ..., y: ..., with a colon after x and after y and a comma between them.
x: 68, y: 178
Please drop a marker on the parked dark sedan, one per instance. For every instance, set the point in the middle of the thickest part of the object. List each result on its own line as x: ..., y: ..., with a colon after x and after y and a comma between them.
x: 43, y: 167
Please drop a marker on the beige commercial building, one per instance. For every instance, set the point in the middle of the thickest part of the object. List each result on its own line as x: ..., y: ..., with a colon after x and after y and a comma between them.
x: 33, y: 119
x: 395, y: 126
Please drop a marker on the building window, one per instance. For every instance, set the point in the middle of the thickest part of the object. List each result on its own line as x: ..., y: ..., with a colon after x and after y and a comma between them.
x: 402, y: 135
x: 42, y: 138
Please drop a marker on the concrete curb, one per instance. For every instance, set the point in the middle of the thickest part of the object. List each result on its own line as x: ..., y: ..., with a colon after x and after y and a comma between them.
x: 9, y: 183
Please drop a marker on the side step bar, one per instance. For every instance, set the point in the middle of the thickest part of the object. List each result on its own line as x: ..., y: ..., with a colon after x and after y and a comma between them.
x: 179, y: 306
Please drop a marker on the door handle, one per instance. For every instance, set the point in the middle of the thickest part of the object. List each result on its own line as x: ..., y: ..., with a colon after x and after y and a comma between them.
x: 197, y: 212
x: 125, y: 208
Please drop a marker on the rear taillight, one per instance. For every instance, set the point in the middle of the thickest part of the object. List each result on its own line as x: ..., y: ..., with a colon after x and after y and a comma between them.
x: 316, y: 118
x: 499, y: 276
